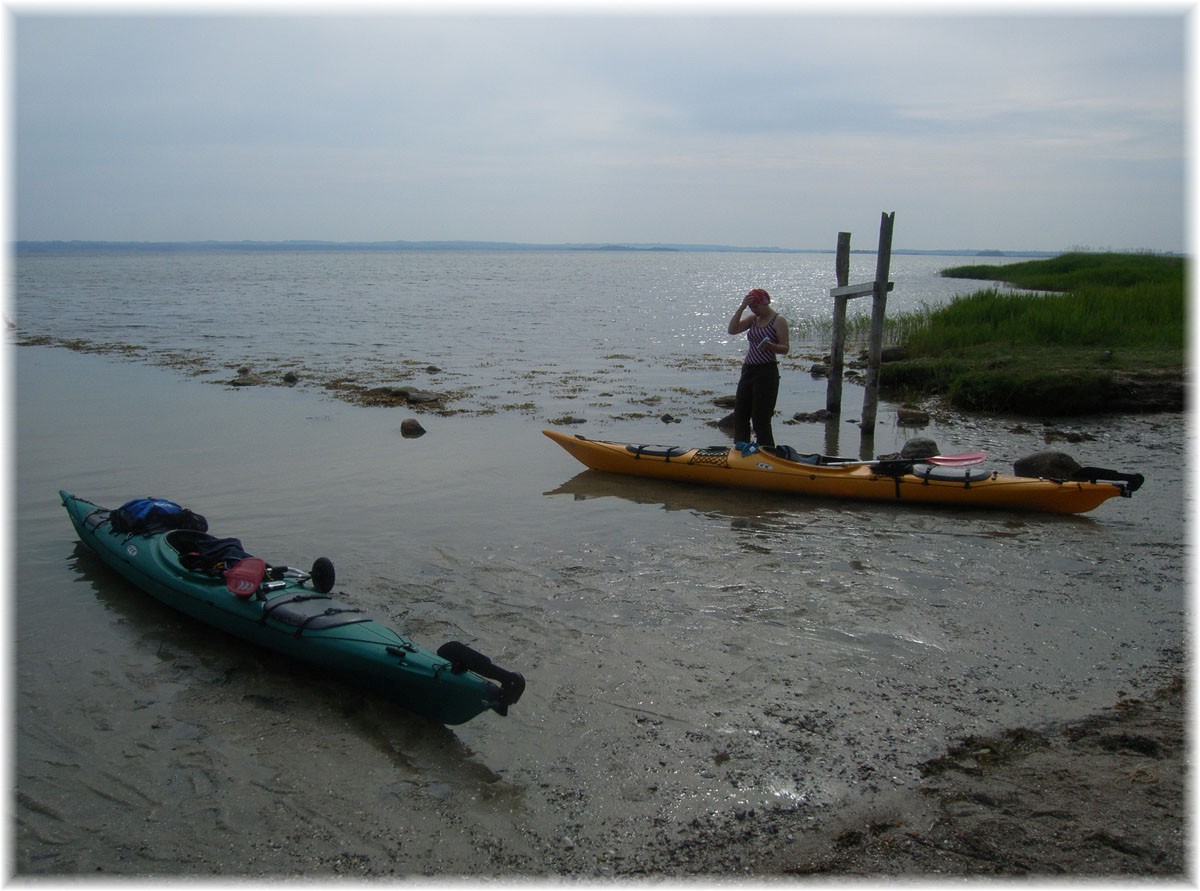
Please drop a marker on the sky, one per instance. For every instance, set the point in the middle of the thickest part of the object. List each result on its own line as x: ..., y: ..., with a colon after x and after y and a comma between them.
x: 1008, y: 129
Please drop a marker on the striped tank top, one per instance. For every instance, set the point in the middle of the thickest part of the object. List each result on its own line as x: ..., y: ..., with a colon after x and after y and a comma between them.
x: 757, y: 354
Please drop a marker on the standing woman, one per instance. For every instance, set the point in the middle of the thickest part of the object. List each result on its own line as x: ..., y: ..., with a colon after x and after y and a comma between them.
x: 758, y: 387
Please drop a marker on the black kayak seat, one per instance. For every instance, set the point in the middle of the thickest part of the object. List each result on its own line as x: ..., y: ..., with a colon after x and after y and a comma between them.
x: 787, y: 453
x: 184, y: 541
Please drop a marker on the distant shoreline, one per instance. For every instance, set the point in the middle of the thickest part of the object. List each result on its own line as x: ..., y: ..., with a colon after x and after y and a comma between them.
x: 57, y: 247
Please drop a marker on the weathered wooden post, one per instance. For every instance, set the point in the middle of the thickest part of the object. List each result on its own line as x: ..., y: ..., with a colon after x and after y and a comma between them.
x: 883, y: 264
x: 837, y: 351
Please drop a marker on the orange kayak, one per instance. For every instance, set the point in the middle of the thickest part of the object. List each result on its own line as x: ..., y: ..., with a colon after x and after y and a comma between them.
x: 822, y: 477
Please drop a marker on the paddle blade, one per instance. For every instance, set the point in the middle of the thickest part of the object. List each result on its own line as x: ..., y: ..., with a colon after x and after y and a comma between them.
x: 245, y: 576
x: 965, y: 459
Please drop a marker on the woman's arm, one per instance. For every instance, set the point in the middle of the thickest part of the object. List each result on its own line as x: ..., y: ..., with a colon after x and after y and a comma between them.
x: 783, y: 341
x: 737, y: 324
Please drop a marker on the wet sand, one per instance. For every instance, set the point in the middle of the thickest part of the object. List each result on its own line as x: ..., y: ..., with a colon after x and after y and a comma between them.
x: 1104, y: 797
x: 718, y: 687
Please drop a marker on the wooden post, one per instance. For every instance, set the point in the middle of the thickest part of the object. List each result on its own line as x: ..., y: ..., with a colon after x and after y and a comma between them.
x: 842, y: 263
x: 878, y: 308
x: 837, y: 351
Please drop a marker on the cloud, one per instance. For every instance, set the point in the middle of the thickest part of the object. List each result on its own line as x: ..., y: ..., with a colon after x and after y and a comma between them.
x: 725, y: 128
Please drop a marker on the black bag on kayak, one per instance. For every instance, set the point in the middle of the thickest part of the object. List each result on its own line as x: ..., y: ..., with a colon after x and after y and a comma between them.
x: 143, y: 516
x: 214, y: 555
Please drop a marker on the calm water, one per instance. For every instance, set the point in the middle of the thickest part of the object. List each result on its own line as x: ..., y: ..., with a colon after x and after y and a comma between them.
x: 692, y: 655
x: 541, y: 333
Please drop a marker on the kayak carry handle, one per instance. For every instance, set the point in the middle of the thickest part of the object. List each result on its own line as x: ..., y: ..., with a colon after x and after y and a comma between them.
x: 1132, y: 481
x: 462, y: 658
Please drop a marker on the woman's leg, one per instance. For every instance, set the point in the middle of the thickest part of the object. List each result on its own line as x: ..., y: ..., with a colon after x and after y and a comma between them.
x: 743, y: 406
x: 766, y: 394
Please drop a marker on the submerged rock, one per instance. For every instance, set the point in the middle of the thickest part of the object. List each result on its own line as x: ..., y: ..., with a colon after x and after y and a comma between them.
x: 389, y: 395
x: 247, y: 378
x: 912, y: 417
x: 418, y: 397
x: 822, y: 414
x: 410, y: 428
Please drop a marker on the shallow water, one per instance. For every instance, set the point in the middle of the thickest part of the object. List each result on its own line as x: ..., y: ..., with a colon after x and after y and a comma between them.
x: 626, y: 335
x: 693, y: 656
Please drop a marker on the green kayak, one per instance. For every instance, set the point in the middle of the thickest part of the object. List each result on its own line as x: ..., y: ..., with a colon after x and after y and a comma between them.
x: 290, y: 611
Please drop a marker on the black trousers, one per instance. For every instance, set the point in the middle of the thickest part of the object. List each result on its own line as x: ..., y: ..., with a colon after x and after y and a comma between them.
x: 757, y: 391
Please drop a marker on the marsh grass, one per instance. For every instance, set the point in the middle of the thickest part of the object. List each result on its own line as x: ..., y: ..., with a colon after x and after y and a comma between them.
x: 1140, y: 316
x: 1004, y: 349
x: 897, y: 329
x: 1076, y: 271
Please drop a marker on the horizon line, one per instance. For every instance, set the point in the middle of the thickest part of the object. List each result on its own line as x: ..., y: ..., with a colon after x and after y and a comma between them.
x: 466, y: 244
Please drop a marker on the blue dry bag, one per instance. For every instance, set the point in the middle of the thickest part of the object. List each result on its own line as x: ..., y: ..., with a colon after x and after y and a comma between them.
x: 143, y: 516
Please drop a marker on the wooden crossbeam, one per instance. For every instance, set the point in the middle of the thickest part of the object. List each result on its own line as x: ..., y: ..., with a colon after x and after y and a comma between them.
x: 858, y: 290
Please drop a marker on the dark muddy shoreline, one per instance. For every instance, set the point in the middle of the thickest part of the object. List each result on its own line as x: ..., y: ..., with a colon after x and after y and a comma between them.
x: 1101, y: 797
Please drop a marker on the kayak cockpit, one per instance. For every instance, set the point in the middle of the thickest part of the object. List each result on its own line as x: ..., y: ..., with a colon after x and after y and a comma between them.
x: 177, y: 544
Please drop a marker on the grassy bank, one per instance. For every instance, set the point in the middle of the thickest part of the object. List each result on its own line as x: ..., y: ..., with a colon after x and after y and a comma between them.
x: 1110, y: 337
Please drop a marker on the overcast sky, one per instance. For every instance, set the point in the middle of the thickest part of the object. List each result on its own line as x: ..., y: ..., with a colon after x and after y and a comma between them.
x: 1010, y: 131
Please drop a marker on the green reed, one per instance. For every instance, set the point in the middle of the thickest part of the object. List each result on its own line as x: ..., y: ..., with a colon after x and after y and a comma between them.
x: 1052, y: 351
x: 896, y: 329
x: 1100, y: 300
x: 1076, y: 300
x: 1076, y: 271
x: 1140, y: 316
